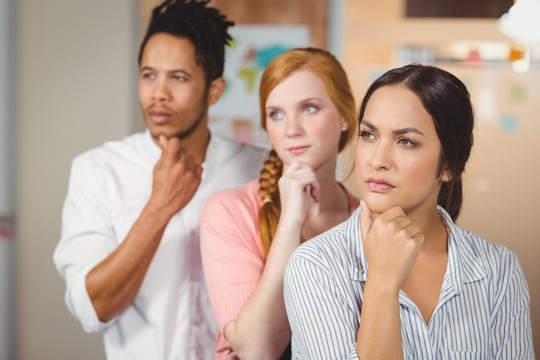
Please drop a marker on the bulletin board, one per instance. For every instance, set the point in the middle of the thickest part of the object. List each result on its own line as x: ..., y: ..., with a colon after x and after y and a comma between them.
x: 236, y: 115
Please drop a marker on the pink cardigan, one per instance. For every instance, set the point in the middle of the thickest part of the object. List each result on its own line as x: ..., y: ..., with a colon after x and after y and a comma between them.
x: 232, y: 255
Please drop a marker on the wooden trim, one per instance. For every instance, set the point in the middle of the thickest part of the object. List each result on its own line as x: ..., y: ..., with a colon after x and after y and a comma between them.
x: 313, y: 13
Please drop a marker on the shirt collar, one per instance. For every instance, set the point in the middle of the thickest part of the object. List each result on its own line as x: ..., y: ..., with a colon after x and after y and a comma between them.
x: 358, y: 265
x: 153, y: 149
x: 464, y: 265
x: 217, y: 152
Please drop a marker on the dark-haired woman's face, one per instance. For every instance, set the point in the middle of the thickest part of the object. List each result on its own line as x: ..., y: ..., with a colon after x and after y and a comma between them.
x: 398, y: 152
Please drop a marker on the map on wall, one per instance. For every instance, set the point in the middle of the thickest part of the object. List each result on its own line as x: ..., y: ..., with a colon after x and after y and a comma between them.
x: 236, y: 114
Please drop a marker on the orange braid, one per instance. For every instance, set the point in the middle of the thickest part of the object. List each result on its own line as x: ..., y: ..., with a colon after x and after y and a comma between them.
x: 269, y: 191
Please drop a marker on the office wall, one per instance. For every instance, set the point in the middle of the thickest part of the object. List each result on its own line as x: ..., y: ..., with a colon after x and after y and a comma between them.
x: 75, y: 89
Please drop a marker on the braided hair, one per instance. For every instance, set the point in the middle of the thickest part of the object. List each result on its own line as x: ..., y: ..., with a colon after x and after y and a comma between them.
x: 269, y: 192
x: 327, y: 67
x: 205, y: 27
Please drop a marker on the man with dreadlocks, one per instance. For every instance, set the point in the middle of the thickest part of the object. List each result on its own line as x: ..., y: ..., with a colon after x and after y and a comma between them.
x: 129, y: 249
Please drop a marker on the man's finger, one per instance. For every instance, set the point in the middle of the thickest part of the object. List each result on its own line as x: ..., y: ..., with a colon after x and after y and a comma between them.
x: 163, y: 141
x: 169, y: 147
x: 198, y: 171
x: 183, y: 153
x: 189, y: 163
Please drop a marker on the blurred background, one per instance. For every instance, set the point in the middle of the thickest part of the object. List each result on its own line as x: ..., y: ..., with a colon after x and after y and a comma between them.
x: 68, y: 83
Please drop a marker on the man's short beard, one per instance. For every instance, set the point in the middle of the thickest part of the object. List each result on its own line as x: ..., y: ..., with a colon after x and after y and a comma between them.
x: 203, y: 111
x: 184, y: 134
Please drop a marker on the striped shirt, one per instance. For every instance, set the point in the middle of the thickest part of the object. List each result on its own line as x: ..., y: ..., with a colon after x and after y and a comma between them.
x: 483, y: 310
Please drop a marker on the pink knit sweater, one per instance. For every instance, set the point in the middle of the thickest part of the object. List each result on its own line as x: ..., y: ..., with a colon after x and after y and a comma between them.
x: 232, y: 255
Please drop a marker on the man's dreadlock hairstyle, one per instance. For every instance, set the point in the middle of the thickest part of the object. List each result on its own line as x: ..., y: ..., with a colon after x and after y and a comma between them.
x: 205, y: 27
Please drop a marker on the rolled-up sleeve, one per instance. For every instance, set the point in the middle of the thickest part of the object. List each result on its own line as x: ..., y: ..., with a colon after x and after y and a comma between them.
x: 87, y: 238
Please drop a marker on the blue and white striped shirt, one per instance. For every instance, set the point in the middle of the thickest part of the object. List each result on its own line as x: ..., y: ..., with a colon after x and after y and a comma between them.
x: 483, y: 310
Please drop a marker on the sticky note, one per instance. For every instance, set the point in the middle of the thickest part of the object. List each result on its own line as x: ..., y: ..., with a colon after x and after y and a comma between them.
x: 509, y: 123
x: 519, y: 93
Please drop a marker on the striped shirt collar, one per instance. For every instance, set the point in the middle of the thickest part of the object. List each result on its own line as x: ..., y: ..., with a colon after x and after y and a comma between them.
x: 463, y: 267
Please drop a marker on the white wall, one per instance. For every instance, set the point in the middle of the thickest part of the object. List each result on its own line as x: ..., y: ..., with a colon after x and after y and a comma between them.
x: 76, y: 79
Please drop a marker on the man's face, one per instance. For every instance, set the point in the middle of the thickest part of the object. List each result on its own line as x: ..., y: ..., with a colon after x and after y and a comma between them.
x: 172, y: 88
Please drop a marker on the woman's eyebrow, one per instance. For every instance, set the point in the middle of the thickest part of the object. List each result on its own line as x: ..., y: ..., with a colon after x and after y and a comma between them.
x: 395, y: 132
x: 407, y: 130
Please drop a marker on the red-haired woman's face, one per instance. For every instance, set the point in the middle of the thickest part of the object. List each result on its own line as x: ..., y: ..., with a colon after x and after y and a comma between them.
x: 303, y: 122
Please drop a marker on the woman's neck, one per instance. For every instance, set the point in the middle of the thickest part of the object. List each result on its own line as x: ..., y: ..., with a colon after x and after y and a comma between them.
x: 332, y: 208
x: 434, y: 230
x: 331, y: 192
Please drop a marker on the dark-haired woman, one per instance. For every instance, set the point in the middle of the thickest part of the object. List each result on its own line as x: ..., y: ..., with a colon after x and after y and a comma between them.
x: 399, y: 280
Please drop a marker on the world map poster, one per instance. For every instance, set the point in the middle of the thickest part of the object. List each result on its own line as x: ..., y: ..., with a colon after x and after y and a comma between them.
x: 236, y: 115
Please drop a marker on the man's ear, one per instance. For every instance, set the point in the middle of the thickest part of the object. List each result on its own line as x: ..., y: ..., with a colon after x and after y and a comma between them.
x: 216, y: 88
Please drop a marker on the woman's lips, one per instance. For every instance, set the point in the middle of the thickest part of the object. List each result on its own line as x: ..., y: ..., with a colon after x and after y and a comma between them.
x: 379, y: 185
x: 297, y: 150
